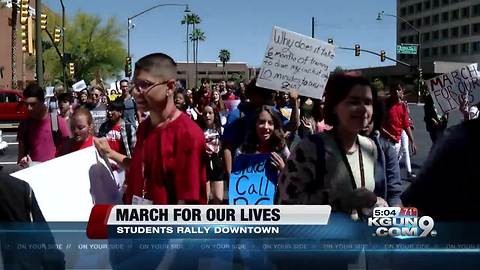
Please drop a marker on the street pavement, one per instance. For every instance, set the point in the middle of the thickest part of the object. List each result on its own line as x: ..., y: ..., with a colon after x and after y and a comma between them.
x: 9, y: 159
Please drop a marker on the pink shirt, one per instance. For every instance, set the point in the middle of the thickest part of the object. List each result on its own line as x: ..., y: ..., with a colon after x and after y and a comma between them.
x: 38, y: 138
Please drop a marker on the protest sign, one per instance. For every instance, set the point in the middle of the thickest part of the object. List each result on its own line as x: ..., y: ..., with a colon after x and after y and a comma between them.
x: 253, y: 180
x: 450, y: 90
x: 67, y: 187
x: 49, y: 91
x: 79, y: 86
x: 295, y: 61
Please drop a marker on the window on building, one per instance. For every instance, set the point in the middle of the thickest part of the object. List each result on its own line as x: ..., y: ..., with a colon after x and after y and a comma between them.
x: 435, y: 51
x: 455, y: 1
x: 418, y: 23
x: 426, y: 37
x: 454, y: 49
x: 402, y: 57
x: 435, y: 35
x: 426, y: 20
x: 444, y: 50
x: 426, y: 52
x: 444, y: 16
x: 418, y: 7
x: 455, y: 15
x: 476, y: 47
x: 436, y: 3
x: 410, y: 39
x: 454, y: 32
x: 445, y: 2
x: 403, y: 11
x: 403, y: 26
x: 403, y: 40
x: 410, y: 10
x: 411, y: 22
x: 445, y: 33
x: 426, y: 5
x: 465, y: 12
x: 476, y: 10
x: 436, y: 19
x: 476, y: 28
x: 465, y: 47
x: 9, y: 21
x: 465, y: 30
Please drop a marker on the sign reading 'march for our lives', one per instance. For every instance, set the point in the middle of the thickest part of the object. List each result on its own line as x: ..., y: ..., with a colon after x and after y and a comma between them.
x: 253, y: 180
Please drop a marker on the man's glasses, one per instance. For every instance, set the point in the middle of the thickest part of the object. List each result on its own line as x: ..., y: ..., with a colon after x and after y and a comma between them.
x: 145, y: 86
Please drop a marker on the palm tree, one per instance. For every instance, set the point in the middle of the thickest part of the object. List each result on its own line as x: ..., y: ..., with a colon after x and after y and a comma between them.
x: 224, y: 56
x: 14, y: 43
x: 190, y: 19
x: 196, y: 36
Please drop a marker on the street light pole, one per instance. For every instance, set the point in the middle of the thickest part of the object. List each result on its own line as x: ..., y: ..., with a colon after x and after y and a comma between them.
x: 130, y: 25
x: 38, y: 43
x: 419, y: 59
x: 63, y: 47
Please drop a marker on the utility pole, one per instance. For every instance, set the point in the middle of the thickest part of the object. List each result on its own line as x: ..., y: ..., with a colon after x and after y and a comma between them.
x: 38, y: 43
x: 313, y: 27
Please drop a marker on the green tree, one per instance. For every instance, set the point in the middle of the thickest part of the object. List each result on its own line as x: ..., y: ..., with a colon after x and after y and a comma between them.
x: 196, y: 36
x: 338, y: 69
x: 224, y: 56
x: 96, y: 49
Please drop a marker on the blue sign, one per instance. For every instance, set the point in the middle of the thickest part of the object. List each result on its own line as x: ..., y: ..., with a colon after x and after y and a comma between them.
x: 253, y: 180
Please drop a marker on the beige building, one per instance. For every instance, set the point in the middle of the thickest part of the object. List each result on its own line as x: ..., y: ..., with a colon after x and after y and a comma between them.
x: 213, y: 71
x: 449, y: 31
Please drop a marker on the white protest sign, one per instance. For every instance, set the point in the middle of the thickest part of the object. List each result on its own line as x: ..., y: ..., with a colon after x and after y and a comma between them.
x: 67, y: 187
x: 295, y: 61
x: 49, y: 91
x: 449, y: 90
x: 79, y: 86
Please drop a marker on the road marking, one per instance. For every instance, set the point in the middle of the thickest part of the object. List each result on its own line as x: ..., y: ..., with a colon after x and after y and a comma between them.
x: 8, y: 163
x: 14, y: 143
x: 9, y: 135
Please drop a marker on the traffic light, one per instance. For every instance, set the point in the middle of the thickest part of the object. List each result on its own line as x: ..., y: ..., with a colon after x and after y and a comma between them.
x: 30, y: 26
x: 382, y: 56
x: 57, y: 35
x: 43, y: 21
x: 24, y: 6
x: 24, y: 38
x: 128, y: 67
x: 357, y: 50
x: 330, y: 41
x: 420, y: 73
x: 71, y: 69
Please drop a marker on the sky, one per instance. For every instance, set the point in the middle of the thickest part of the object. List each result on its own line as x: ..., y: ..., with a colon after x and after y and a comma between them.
x: 244, y: 27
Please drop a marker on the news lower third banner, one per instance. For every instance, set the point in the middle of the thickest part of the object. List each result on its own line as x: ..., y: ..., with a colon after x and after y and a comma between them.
x: 206, y: 221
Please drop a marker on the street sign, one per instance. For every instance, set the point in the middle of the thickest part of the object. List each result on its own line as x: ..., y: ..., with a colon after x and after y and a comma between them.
x: 407, y: 49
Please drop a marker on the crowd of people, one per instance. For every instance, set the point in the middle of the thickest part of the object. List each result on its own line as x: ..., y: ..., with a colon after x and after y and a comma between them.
x: 178, y: 146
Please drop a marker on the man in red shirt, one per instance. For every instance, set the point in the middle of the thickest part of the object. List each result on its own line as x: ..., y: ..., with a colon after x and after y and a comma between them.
x: 396, y: 121
x: 36, y: 140
x: 167, y: 165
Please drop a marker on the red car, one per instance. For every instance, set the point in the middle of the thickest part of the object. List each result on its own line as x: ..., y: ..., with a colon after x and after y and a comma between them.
x: 12, y: 108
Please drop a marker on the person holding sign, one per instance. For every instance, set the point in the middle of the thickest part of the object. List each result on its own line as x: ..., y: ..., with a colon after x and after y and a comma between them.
x: 266, y: 136
x: 167, y: 164
x: 336, y: 167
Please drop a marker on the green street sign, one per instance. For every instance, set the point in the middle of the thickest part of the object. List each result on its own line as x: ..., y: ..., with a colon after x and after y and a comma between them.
x: 407, y: 49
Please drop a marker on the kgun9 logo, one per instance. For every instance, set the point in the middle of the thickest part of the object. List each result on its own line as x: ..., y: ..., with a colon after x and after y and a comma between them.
x: 401, y: 223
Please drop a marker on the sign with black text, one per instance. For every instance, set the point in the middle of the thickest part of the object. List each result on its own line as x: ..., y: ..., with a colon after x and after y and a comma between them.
x: 295, y: 61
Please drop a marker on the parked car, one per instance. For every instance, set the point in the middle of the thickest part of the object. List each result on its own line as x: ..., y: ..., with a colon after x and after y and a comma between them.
x: 12, y: 108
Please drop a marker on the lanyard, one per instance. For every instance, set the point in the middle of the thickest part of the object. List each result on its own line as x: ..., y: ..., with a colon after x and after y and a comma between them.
x: 144, y: 153
x: 347, y: 164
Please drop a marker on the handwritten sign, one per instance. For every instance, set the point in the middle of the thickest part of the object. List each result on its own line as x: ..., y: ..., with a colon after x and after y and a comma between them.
x: 295, y: 61
x: 450, y: 90
x: 253, y: 180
